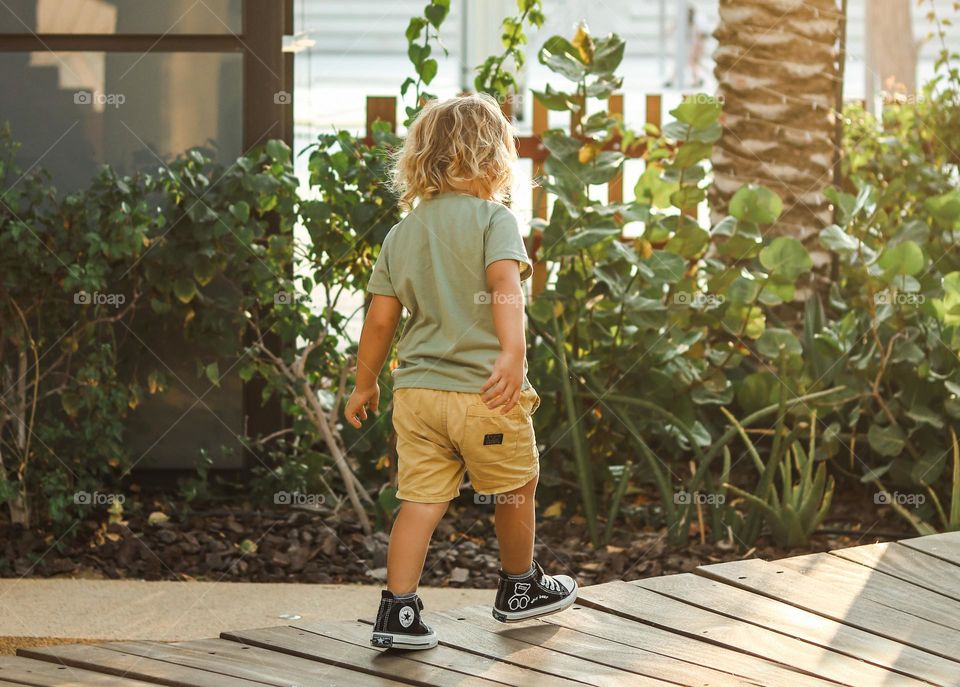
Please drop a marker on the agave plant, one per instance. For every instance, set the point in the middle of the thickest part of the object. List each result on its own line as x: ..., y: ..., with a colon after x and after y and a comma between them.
x: 794, y: 512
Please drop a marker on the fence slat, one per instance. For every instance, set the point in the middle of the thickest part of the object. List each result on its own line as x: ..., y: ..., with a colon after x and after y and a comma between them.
x: 539, y: 198
x: 383, y: 108
x: 615, y: 186
x: 654, y: 110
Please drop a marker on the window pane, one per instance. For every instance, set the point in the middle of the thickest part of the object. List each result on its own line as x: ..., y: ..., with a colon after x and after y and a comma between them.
x: 73, y: 111
x: 120, y: 16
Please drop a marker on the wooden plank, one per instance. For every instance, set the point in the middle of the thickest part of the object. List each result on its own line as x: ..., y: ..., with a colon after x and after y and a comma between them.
x: 795, y: 622
x: 443, y: 656
x: 380, y: 108
x: 327, y: 647
x: 598, y: 649
x: 539, y: 199
x: 96, y: 658
x: 654, y: 110
x: 944, y: 546
x: 463, y: 635
x: 252, y: 663
x: 751, y: 669
x: 907, y: 564
x: 27, y: 671
x: 615, y: 185
x: 851, y: 579
x: 506, y: 107
x: 645, y: 606
x: 778, y: 582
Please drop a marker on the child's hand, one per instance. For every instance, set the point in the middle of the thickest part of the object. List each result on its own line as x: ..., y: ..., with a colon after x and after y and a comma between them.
x: 355, y: 410
x: 503, y: 386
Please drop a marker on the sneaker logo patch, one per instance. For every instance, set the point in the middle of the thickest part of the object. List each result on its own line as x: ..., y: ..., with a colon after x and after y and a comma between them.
x: 491, y: 439
x: 519, y: 600
x: 406, y: 616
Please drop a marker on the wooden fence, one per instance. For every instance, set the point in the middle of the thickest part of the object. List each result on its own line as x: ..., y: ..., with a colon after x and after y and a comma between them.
x: 530, y: 147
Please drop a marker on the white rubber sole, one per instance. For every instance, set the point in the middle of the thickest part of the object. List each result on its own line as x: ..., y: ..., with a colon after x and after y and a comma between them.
x: 389, y: 640
x: 556, y: 607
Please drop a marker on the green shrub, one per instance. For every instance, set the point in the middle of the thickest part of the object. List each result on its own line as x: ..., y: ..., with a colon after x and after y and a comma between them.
x: 649, y: 342
x: 85, y: 279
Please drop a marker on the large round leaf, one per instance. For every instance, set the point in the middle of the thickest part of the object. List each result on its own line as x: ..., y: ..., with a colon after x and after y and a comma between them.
x: 699, y: 111
x: 903, y: 258
x: 786, y: 257
x: 837, y: 240
x: 607, y: 55
x: 184, y: 289
x: 689, y: 240
x: 886, y: 441
x: 561, y: 57
x: 772, y: 340
x: 756, y: 204
x: 743, y: 289
x: 668, y: 268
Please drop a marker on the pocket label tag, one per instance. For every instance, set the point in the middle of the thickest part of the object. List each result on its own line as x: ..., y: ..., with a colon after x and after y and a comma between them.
x: 491, y: 439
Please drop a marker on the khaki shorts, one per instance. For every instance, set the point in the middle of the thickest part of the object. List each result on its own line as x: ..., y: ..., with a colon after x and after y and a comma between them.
x: 441, y: 434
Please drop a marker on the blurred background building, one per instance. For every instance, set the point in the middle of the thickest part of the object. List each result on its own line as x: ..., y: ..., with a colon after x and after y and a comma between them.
x: 133, y: 84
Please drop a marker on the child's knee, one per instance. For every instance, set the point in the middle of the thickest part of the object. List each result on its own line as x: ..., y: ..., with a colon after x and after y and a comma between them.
x: 432, y: 511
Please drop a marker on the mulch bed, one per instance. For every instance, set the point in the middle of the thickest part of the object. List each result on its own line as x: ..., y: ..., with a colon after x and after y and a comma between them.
x: 286, y: 545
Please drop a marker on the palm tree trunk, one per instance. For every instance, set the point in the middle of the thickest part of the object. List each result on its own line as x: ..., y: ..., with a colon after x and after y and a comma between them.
x: 777, y: 71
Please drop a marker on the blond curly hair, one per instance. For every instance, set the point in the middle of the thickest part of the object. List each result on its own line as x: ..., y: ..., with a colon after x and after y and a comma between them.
x: 453, y: 143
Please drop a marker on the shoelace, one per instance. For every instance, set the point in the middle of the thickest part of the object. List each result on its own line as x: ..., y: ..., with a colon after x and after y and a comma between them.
x: 551, y: 584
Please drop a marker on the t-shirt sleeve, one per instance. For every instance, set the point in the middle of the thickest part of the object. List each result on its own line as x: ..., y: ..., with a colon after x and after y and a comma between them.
x: 503, y: 241
x: 380, y: 278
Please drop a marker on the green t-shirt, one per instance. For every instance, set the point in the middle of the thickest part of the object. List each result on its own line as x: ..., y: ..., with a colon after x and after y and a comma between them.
x: 434, y: 262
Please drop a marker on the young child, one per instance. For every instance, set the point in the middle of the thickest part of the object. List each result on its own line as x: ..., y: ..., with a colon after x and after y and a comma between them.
x: 462, y: 401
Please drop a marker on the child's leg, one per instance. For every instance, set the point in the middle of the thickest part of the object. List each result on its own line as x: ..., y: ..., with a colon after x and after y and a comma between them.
x: 525, y: 591
x: 516, y: 524
x: 409, y: 540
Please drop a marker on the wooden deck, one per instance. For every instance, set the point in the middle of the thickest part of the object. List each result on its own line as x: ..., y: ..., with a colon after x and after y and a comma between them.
x: 885, y: 614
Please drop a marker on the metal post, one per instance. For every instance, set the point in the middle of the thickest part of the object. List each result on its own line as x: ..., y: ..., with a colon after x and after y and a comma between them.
x: 683, y: 49
x: 662, y: 53
x: 465, y: 81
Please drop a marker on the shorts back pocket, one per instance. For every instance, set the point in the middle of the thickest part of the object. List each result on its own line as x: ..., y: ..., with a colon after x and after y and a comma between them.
x: 490, y: 436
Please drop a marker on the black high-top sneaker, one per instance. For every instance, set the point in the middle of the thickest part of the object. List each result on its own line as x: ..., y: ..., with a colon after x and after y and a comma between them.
x: 533, y: 595
x: 399, y: 626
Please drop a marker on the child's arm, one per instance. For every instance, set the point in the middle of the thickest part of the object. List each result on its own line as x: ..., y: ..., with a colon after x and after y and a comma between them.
x: 503, y: 386
x: 379, y: 328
